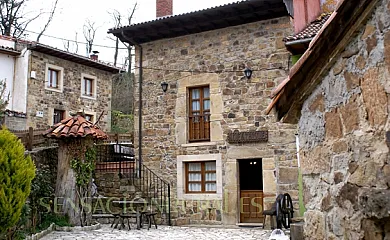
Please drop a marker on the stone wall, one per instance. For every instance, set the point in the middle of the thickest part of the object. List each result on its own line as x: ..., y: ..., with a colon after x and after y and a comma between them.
x: 69, y: 100
x: 46, y: 158
x: 217, y: 58
x: 343, y: 132
x: 15, y: 123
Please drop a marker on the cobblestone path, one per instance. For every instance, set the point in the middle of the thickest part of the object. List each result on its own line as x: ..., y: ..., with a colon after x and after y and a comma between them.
x: 164, y: 232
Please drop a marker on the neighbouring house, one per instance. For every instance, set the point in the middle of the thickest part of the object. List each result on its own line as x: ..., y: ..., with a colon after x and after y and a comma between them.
x: 13, y: 65
x: 338, y: 94
x: 47, y: 84
x: 200, y: 123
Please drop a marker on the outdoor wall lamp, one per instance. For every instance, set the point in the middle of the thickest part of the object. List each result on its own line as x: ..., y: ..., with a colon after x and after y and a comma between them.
x: 164, y: 86
x: 248, y: 73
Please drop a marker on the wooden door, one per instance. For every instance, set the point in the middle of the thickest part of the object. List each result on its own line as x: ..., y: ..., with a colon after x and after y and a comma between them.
x: 251, y: 191
x: 251, y: 206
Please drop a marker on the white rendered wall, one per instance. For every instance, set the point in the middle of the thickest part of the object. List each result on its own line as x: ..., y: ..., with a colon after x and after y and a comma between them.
x: 19, y: 103
x: 7, y: 63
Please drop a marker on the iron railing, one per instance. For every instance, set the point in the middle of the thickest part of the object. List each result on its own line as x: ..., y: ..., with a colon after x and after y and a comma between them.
x: 120, y: 158
x: 115, y: 158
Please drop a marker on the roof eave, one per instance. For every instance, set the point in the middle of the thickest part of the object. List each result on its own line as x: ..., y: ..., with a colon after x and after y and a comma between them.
x: 10, y: 52
x: 72, y: 57
x: 234, y: 14
x: 306, y: 74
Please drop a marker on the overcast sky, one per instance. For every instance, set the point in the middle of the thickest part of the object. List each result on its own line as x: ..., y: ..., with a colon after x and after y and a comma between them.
x: 71, y: 15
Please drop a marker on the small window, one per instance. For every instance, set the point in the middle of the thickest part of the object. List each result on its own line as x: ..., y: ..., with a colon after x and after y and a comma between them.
x: 58, y: 116
x: 53, y: 78
x: 89, y: 117
x: 199, y: 115
x: 201, y: 177
x: 88, y: 86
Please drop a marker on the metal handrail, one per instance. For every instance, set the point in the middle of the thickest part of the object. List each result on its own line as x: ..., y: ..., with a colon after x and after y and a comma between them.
x: 142, y: 177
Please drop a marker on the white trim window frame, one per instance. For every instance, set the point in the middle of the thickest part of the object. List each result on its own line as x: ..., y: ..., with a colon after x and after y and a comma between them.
x: 181, y: 176
x: 88, y: 86
x: 54, y: 78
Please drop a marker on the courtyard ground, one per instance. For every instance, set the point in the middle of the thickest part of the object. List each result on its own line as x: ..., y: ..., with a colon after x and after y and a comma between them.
x: 164, y: 232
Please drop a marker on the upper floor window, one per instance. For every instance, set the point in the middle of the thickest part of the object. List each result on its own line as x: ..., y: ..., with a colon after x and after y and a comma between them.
x: 199, y: 114
x: 88, y: 86
x: 54, y: 78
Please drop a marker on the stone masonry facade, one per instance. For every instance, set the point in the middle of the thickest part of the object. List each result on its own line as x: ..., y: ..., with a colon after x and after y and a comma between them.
x: 70, y: 99
x: 217, y: 58
x: 344, y: 138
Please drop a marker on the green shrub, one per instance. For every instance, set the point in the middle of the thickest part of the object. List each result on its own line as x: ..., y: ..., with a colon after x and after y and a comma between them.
x: 16, y: 173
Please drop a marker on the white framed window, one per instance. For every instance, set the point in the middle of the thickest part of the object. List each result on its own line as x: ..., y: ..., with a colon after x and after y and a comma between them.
x: 199, y: 177
x: 88, y: 86
x: 89, y: 116
x: 54, y: 76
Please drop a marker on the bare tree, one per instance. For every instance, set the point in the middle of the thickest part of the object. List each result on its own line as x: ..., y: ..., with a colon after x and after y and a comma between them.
x: 53, y: 10
x: 67, y: 45
x: 76, y: 43
x: 89, y: 31
x: 117, y: 17
x: 14, y: 20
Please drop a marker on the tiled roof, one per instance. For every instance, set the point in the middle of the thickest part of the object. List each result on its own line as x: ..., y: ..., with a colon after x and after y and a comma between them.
x: 311, y: 30
x: 10, y: 50
x: 75, y: 126
x: 177, y: 15
x: 73, y: 57
x: 228, y: 15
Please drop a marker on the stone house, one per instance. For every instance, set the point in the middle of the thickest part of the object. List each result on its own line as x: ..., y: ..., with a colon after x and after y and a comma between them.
x: 47, y: 84
x: 200, y: 123
x: 338, y: 94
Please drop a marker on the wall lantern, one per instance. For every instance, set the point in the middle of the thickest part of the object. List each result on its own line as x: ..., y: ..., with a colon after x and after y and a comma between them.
x: 248, y: 73
x: 164, y: 86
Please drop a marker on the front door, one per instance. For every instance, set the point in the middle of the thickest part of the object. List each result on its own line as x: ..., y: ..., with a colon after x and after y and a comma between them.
x: 251, y: 191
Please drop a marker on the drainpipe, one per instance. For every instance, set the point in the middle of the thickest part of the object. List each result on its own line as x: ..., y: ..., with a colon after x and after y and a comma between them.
x: 302, y: 208
x: 140, y: 77
x: 140, y: 111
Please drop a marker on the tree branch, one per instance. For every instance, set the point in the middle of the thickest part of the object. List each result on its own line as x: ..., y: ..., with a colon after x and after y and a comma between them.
x: 49, y: 20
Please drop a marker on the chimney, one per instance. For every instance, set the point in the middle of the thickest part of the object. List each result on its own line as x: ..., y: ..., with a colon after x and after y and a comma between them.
x: 305, y: 11
x: 95, y: 55
x: 164, y: 8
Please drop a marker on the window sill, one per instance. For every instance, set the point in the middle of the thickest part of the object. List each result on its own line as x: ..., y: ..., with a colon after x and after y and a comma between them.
x: 199, y: 144
x: 201, y: 196
x: 53, y: 89
x: 89, y: 97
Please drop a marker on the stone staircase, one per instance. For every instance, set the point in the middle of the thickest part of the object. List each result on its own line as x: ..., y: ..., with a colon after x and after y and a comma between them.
x: 139, y: 183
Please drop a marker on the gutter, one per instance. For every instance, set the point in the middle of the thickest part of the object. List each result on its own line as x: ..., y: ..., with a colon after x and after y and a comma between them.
x: 140, y: 77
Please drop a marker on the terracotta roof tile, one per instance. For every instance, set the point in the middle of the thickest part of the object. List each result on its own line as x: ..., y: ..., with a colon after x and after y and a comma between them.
x: 11, y: 50
x: 311, y: 30
x: 76, y: 126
